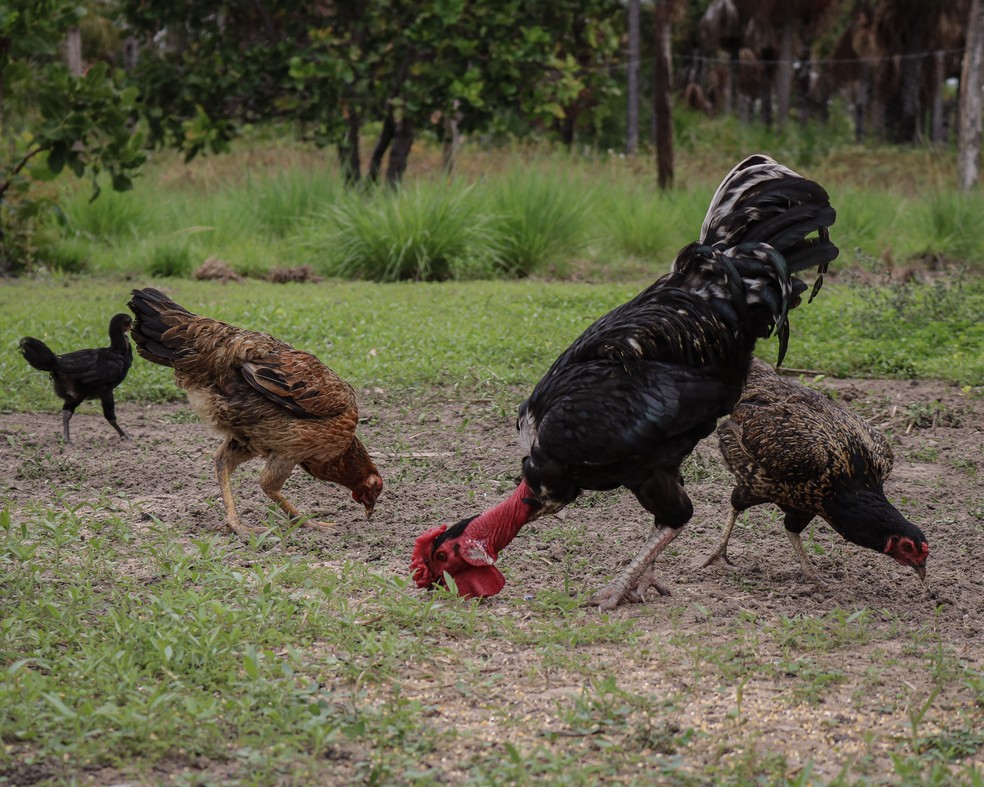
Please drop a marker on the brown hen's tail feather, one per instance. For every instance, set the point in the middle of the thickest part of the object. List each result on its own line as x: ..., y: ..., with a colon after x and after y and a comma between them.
x: 156, y: 314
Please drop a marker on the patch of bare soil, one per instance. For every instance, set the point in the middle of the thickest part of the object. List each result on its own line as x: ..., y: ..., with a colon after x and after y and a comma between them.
x: 841, y: 706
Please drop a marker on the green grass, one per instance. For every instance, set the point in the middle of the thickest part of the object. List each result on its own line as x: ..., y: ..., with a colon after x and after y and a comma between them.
x: 508, y: 213
x: 486, y: 336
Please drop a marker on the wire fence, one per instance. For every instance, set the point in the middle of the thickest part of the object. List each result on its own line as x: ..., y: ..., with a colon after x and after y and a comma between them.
x: 899, y: 98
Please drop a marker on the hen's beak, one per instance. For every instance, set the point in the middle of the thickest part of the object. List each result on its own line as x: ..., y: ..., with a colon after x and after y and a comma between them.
x: 370, y: 508
x: 921, y: 571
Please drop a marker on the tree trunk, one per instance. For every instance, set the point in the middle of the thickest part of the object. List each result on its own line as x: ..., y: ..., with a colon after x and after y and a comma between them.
x: 662, y: 108
x: 452, y: 137
x: 861, y: 99
x: 131, y: 53
x: 386, y: 134
x: 784, y: 72
x: 349, y: 156
x: 938, y: 77
x: 969, y: 131
x: 73, y: 51
x: 632, y: 88
x: 399, y: 152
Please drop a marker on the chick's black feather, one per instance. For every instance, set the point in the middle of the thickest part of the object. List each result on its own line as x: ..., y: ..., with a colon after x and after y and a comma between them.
x: 86, y: 374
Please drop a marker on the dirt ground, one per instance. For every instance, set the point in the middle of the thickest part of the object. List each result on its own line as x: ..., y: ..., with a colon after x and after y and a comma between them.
x: 443, y: 458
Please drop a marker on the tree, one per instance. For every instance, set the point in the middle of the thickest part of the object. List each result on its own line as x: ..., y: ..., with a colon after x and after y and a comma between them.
x: 969, y: 134
x: 632, y: 86
x: 52, y: 119
x: 662, y: 109
x: 335, y: 67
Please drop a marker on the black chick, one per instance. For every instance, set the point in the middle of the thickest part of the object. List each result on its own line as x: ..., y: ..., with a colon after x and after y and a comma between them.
x: 792, y: 446
x: 86, y: 374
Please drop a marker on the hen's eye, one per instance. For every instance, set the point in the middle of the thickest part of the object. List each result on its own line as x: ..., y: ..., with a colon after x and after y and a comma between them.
x: 442, y: 555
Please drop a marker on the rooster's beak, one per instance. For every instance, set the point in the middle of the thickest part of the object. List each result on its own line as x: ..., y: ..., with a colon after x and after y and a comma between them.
x: 370, y: 508
x: 921, y: 571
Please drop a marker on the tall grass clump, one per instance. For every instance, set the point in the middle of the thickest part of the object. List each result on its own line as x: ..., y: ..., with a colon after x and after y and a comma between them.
x: 279, y: 203
x: 170, y: 260
x: 867, y: 222
x: 111, y: 217
x: 649, y: 224
x: 949, y: 224
x: 540, y: 219
x: 431, y: 231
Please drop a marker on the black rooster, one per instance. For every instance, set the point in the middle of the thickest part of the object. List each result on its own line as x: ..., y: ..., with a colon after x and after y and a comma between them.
x: 86, y: 374
x: 629, y: 399
x: 790, y: 445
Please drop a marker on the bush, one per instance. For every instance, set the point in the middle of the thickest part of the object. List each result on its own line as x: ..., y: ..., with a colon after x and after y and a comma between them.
x: 426, y: 232
x: 539, y: 219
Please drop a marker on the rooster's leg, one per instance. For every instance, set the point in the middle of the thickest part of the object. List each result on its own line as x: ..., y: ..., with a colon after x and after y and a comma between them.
x: 637, y: 577
x: 229, y: 456
x: 721, y: 553
x: 797, y: 542
x: 272, y: 480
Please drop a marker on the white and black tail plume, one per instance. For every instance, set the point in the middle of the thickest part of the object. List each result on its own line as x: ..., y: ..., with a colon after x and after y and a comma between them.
x: 765, y: 223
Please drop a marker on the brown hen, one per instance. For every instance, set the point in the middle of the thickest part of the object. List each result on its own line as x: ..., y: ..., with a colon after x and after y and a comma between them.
x: 266, y: 398
x: 792, y: 446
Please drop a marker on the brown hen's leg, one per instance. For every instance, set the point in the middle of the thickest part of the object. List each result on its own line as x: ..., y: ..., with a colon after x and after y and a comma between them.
x: 272, y: 480
x: 229, y: 456
x: 797, y: 542
x: 721, y: 553
x: 632, y: 583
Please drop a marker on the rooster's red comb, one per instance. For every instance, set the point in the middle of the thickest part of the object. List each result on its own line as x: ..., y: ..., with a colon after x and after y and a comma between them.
x: 422, y: 550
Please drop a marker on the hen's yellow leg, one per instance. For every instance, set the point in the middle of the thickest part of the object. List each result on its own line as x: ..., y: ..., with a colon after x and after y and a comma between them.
x: 721, y: 553
x: 272, y: 480
x: 229, y: 456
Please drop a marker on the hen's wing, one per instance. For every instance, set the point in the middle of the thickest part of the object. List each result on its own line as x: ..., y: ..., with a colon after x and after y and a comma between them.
x: 299, y: 382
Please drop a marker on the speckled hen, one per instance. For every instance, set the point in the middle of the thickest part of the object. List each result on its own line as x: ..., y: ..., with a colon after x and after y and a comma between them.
x: 264, y: 397
x: 792, y: 446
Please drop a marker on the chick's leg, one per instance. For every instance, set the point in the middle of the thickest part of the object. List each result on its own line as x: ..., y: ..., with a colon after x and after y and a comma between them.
x: 67, y: 412
x: 229, y: 456
x: 272, y: 480
x: 109, y: 413
x: 632, y: 583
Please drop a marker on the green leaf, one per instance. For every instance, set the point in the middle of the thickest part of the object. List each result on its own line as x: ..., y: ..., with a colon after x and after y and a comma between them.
x: 121, y: 182
x: 56, y: 158
x: 59, y: 706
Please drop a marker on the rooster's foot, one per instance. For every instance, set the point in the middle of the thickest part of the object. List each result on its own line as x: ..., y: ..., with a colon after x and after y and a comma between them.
x: 719, y: 557
x: 621, y: 592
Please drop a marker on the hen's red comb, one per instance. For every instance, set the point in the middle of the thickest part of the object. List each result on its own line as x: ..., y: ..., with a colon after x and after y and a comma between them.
x: 422, y: 549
